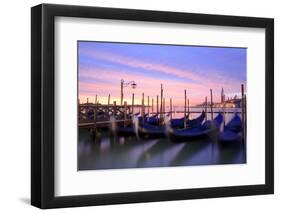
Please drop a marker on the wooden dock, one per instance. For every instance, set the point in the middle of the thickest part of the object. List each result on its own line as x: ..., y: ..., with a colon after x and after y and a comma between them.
x: 100, y: 124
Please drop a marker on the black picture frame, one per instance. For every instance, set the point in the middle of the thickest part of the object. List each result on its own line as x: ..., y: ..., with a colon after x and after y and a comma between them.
x: 43, y: 117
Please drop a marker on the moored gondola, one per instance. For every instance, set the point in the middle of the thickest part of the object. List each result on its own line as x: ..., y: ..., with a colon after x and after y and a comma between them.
x: 126, y: 128
x: 196, y: 122
x: 146, y: 130
x: 153, y: 120
x: 231, y: 134
x: 207, y: 129
x: 178, y: 122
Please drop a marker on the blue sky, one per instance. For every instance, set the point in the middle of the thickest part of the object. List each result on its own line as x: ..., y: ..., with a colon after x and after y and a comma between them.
x: 102, y: 65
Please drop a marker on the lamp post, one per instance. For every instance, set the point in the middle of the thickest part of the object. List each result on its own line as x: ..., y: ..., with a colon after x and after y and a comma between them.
x: 126, y: 84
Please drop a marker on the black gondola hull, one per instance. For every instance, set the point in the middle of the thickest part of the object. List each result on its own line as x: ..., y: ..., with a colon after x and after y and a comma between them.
x: 180, y: 138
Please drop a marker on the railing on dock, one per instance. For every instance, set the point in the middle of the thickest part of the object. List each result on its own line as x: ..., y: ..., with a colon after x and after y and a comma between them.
x: 125, y: 113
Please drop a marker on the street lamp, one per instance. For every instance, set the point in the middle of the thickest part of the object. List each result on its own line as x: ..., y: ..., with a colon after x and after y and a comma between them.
x: 130, y: 83
x: 126, y: 84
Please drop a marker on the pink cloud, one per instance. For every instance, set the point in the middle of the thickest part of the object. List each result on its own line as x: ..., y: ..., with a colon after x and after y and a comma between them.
x: 213, y: 80
x: 149, y: 86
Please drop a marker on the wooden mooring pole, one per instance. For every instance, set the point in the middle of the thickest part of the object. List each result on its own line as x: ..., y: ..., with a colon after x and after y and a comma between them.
x: 245, y: 112
x: 157, y: 105
x: 188, y: 111
x: 114, y: 108
x: 245, y: 117
x: 108, y: 105
x: 212, y: 115
x: 133, y: 103
x: 242, y: 113
x: 184, y: 108
x: 125, y: 113
x: 122, y: 94
x: 161, y: 103
x: 152, y: 106
x: 171, y: 108
x: 148, y: 110
x: 164, y: 108
x: 206, y: 108
x: 223, y: 105
x: 95, y: 112
x: 142, y: 107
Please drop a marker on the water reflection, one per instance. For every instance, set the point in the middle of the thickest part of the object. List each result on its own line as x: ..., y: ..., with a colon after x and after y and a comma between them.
x: 111, y: 152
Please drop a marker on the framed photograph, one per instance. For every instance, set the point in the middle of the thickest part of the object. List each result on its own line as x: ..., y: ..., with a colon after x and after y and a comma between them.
x: 139, y: 106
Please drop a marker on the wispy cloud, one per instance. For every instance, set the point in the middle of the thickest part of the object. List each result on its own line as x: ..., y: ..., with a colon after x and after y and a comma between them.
x: 104, y: 78
x: 188, y: 75
x: 147, y: 85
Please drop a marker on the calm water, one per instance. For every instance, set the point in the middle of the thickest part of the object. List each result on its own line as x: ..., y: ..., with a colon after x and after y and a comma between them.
x: 108, y: 152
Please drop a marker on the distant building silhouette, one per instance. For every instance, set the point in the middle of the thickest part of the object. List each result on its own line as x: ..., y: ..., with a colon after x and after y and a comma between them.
x: 234, y: 102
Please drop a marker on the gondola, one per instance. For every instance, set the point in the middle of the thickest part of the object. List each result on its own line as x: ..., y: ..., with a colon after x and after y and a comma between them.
x: 232, y: 132
x: 146, y: 130
x: 208, y: 128
x: 129, y: 129
x: 178, y: 122
x: 153, y: 120
x: 193, y: 123
x: 151, y: 131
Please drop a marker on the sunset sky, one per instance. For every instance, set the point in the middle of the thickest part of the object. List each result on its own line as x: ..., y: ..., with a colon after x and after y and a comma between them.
x: 102, y: 65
